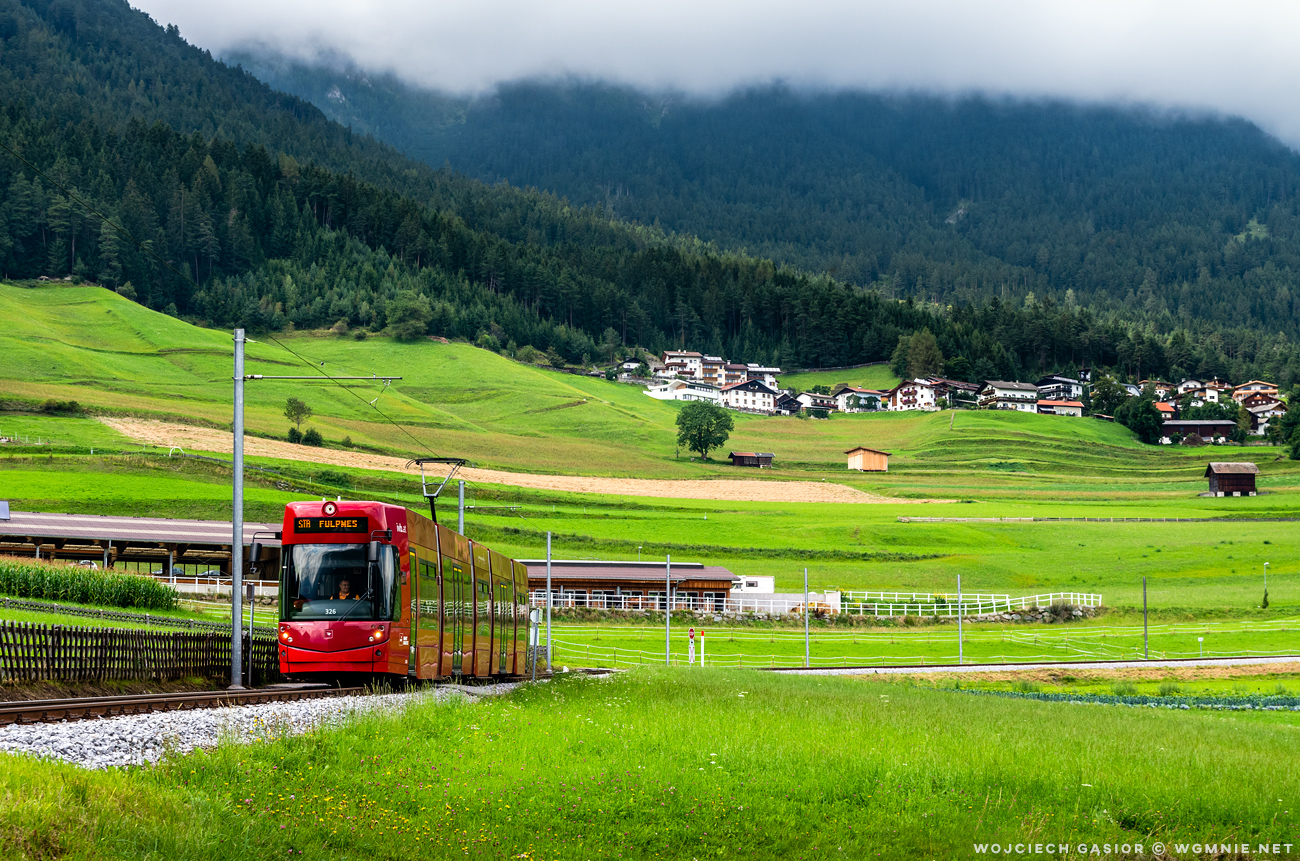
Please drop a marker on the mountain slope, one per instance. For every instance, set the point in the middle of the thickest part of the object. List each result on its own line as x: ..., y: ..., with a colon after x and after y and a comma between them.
x: 1171, y: 219
x: 269, y: 215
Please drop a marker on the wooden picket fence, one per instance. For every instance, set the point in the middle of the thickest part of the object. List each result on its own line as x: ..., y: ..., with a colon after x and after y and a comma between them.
x: 32, y: 653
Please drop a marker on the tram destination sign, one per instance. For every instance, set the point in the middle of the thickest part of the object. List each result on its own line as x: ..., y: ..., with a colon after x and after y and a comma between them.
x: 331, y: 524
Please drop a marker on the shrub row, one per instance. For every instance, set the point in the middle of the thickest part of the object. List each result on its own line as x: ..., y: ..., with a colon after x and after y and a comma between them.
x: 23, y: 578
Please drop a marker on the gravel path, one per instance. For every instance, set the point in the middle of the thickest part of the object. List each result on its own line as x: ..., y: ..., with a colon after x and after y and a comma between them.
x: 144, y: 739
x: 756, y: 490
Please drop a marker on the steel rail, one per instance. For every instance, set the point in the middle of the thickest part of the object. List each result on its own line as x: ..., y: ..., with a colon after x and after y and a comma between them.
x: 49, y: 711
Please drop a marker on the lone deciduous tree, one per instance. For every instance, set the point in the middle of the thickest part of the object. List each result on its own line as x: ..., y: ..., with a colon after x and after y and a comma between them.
x: 296, y: 411
x: 702, y: 426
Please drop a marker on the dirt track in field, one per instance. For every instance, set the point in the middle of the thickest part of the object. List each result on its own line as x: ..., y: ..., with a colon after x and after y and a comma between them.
x: 206, y: 439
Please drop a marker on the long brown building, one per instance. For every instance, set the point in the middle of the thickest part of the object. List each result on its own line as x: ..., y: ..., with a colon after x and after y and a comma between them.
x: 629, y: 585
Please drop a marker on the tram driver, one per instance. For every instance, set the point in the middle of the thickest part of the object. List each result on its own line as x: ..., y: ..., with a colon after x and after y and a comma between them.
x: 345, y: 591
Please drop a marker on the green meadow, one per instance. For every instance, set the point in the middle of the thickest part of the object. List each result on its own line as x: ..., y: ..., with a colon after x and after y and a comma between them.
x: 116, y: 358
x: 686, y: 764
x: 1191, y: 567
x: 728, y: 645
x: 871, y: 377
x: 89, y: 345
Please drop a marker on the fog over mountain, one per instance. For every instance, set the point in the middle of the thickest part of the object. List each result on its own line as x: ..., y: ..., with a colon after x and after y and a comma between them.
x: 1197, y: 56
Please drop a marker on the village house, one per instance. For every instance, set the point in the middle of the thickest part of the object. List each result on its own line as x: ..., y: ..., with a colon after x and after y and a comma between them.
x: 734, y: 373
x: 682, y: 390
x: 1241, y: 392
x: 852, y: 399
x: 682, y: 363
x: 1007, y: 395
x: 1189, y: 385
x: 751, y: 396
x: 1263, y: 409
x: 764, y: 373
x: 1132, y: 389
x: 1061, y: 408
x: 954, y: 391
x: 1210, y: 430
x: 1162, y: 389
x: 814, y: 401
x: 913, y: 395
x: 1167, y: 411
x: 711, y: 370
x: 1057, y: 388
x: 787, y: 404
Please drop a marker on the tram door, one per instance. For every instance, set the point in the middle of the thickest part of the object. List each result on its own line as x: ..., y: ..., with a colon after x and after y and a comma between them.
x: 456, y: 582
x: 428, y: 636
x: 456, y: 596
x: 505, y: 623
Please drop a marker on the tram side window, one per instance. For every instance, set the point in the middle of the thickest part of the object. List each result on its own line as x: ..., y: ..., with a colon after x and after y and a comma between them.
x: 334, y: 582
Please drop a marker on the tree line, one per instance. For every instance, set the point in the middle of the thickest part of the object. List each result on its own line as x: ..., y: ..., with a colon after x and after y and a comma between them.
x: 283, y: 219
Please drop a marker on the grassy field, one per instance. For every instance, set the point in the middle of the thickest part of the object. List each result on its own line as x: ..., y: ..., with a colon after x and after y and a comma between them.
x: 90, y: 345
x: 871, y: 377
x: 1196, y: 567
x: 685, y: 765
x: 617, y: 645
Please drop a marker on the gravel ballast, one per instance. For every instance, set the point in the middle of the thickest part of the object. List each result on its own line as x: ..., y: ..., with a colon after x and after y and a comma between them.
x: 144, y: 739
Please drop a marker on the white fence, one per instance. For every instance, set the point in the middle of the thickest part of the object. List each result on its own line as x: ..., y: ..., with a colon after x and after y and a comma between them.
x: 946, y: 606
x: 885, y: 604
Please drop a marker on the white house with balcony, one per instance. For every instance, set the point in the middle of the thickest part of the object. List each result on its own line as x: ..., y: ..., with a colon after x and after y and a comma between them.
x: 682, y: 363
x: 750, y: 396
x: 852, y: 399
x: 913, y: 395
x: 764, y: 373
x: 1009, y: 395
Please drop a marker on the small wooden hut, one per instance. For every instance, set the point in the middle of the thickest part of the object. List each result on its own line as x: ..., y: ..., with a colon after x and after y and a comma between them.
x: 1232, y: 479
x: 866, y: 459
x: 760, y: 459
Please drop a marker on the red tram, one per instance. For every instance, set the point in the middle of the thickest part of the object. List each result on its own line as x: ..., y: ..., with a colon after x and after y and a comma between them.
x: 368, y: 588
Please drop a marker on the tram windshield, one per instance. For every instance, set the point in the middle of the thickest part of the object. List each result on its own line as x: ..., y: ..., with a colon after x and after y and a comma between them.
x: 334, y: 582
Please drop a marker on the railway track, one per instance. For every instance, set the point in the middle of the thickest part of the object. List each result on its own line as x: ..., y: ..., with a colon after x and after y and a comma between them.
x: 47, y: 711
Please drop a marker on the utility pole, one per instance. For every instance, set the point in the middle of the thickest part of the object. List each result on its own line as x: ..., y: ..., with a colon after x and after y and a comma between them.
x: 460, y: 518
x: 806, y: 652
x: 237, y: 524
x: 549, y: 668
x: 668, y: 611
x: 237, y: 512
x: 1146, y: 649
x: 960, y: 655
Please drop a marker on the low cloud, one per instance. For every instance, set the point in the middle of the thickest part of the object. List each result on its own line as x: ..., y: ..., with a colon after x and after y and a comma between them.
x: 1233, y: 58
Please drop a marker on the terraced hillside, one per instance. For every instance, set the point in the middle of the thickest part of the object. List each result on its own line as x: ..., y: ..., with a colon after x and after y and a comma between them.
x: 89, y: 345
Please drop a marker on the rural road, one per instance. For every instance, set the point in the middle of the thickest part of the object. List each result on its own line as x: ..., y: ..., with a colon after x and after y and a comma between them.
x: 188, y: 437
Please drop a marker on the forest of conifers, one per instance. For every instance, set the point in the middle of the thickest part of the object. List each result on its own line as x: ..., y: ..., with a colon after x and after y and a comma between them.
x: 274, y: 216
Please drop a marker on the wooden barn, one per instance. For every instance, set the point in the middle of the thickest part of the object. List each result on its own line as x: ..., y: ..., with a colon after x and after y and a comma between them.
x: 1232, y: 479
x: 760, y: 459
x: 866, y: 459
